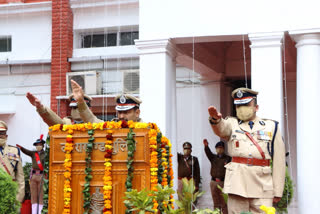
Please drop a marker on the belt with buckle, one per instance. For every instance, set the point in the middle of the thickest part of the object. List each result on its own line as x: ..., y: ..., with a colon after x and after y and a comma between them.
x: 251, y: 161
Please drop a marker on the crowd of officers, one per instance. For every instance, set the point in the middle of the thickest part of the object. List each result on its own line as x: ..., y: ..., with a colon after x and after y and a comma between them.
x: 244, y: 174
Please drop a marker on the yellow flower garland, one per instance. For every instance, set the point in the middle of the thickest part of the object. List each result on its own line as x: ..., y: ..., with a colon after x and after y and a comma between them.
x: 107, y: 179
x: 67, y: 175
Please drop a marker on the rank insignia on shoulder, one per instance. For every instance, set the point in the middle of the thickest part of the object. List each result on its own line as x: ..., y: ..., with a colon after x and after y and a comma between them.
x: 262, y: 123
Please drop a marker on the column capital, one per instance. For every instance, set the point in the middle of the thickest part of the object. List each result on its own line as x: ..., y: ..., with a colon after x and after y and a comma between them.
x: 261, y: 40
x: 306, y: 37
x: 156, y: 46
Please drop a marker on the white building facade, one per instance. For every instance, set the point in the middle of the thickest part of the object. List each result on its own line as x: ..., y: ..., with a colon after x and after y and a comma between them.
x: 188, y: 55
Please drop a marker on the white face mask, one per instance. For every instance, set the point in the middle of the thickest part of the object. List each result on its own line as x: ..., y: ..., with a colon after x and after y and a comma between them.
x: 39, y: 148
x: 245, y: 113
x: 3, y: 141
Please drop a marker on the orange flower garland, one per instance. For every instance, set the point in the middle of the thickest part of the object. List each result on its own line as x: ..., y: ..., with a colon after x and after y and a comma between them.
x: 153, y: 158
x: 107, y: 179
x: 67, y: 175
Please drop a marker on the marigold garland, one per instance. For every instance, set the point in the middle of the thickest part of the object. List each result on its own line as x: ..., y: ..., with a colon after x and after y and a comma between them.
x: 67, y: 175
x: 160, y: 158
x: 107, y: 178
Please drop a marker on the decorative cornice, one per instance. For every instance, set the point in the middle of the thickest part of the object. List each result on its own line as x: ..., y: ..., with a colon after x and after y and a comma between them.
x: 262, y: 40
x: 306, y: 37
x: 22, y: 8
x: 25, y: 62
x: 75, y: 4
x: 156, y: 46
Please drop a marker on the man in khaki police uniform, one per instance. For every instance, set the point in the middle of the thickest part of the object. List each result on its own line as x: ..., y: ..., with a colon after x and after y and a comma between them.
x: 128, y: 106
x: 10, y: 161
x: 51, y: 118
x: 252, y: 143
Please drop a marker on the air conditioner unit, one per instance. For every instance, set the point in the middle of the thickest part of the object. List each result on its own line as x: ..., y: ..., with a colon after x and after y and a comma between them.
x: 89, y: 81
x: 131, y: 81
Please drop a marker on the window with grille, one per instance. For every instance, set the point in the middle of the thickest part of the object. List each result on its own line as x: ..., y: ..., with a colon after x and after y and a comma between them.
x: 108, y: 39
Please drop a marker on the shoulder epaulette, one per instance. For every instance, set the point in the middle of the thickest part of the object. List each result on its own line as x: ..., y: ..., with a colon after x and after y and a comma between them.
x: 230, y: 117
x: 269, y: 120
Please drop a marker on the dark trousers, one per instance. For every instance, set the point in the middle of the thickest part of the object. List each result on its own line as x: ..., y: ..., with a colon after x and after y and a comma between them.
x: 217, y: 196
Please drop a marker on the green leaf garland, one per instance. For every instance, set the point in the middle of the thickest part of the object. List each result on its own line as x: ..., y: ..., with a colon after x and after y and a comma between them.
x: 131, y: 145
x: 88, y: 170
x: 46, y: 177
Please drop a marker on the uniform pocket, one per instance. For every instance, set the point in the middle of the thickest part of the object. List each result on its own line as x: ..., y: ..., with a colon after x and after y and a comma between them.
x: 267, y: 187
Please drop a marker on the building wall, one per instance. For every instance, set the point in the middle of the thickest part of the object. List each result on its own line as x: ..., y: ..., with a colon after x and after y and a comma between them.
x: 25, y: 125
x: 193, y: 100
x: 31, y: 35
x: 215, y: 17
x: 31, y: 42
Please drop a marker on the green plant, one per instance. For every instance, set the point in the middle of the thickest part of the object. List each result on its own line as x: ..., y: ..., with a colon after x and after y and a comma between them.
x: 141, y: 201
x: 188, y: 195
x: 8, y: 192
x: 46, y: 177
x: 26, y: 171
x: 162, y: 196
x: 225, y: 196
x: 287, y: 195
x: 207, y: 211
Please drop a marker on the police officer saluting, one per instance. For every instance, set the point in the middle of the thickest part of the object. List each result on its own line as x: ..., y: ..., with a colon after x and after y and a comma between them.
x: 10, y: 161
x: 252, y: 142
x: 218, y: 171
x: 51, y: 118
x: 128, y: 106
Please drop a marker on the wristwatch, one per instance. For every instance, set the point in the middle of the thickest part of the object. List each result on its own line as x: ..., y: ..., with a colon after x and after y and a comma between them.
x: 214, y: 121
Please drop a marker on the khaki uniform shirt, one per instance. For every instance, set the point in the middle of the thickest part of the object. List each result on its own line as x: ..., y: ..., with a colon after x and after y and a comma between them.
x: 51, y: 118
x: 87, y: 115
x: 246, y: 180
x: 217, y: 163
x: 10, y: 155
x: 189, y: 168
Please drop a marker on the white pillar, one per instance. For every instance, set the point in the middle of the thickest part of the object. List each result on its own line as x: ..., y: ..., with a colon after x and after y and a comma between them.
x: 158, y: 88
x: 308, y: 117
x: 266, y: 74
